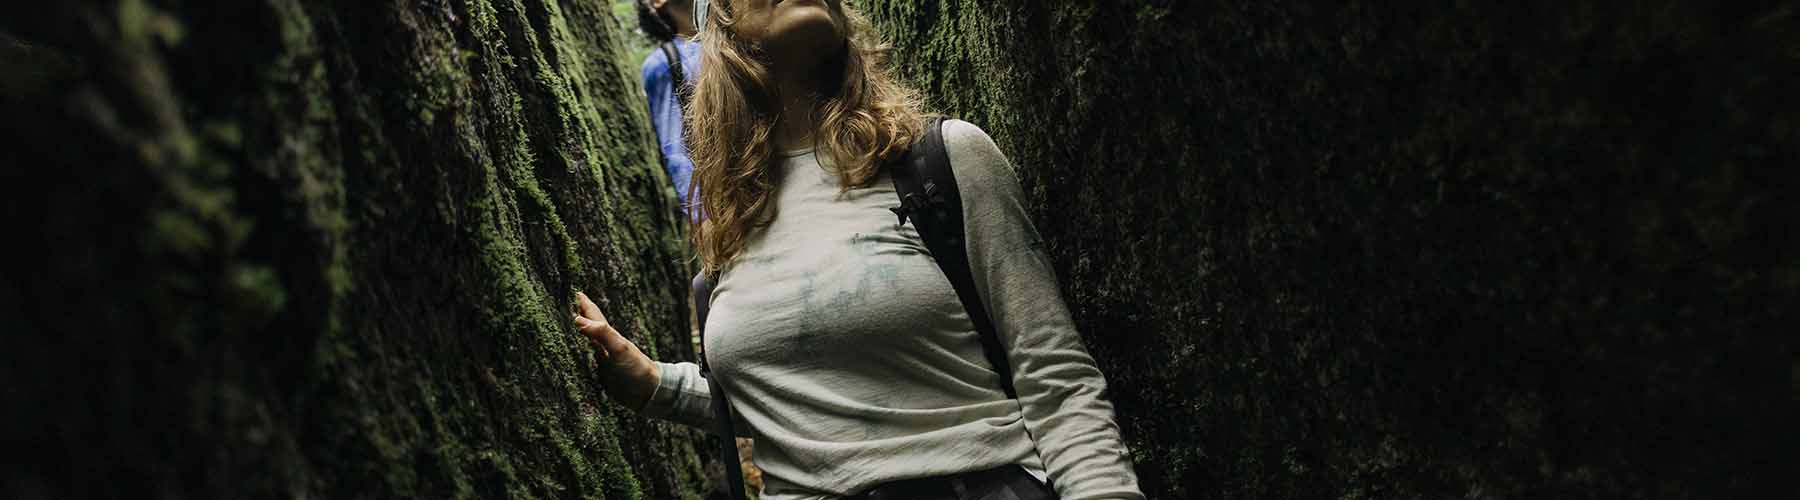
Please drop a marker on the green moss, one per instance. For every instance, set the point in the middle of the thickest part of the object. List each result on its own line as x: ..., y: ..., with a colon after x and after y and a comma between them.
x: 354, y: 267
x: 140, y: 21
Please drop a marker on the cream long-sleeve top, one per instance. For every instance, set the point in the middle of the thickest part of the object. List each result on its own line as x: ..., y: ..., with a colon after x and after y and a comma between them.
x: 850, y: 360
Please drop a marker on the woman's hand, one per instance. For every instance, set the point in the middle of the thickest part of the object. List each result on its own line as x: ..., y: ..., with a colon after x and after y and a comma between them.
x: 627, y: 374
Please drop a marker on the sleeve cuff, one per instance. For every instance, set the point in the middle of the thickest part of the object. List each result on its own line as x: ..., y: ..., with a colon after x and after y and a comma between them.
x: 662, y: 400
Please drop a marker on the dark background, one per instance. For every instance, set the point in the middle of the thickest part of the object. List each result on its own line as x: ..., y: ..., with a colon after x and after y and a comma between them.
x: 1432, y: 250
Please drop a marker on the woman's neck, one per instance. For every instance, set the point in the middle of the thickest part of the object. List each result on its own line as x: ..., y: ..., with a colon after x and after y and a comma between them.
x: 796, y: 125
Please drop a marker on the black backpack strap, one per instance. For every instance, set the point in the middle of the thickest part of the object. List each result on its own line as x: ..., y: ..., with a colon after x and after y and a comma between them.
x: 722, y: 418
x: 677, y: 73
x: 929, y: 197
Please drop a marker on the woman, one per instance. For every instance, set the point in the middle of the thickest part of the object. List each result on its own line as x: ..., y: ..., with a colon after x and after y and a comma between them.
x: 846, y: 353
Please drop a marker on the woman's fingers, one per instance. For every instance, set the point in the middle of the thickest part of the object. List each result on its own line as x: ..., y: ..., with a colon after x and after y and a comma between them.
x: 592, y: 324
x: 625, y: 372
x: 602, y: 335
x: 587, y: 308
x: 594, y: 330
x: 581, y: 325
x: 594, y: 336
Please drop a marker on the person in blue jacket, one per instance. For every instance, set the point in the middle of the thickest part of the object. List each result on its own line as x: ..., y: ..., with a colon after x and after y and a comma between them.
x: 670, y: 24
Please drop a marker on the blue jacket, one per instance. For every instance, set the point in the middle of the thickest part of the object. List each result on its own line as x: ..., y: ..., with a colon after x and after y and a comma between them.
x: 665, y: 112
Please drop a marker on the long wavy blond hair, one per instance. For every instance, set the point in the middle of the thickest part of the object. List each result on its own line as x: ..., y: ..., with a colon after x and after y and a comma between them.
x: 866, y: 119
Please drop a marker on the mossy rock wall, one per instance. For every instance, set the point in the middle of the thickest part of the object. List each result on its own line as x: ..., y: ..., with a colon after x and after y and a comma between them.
x: 1377, y: 250
x: 326, y: 249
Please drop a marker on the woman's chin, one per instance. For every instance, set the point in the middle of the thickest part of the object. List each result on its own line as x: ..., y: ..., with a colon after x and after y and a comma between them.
x: 802, y: 25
